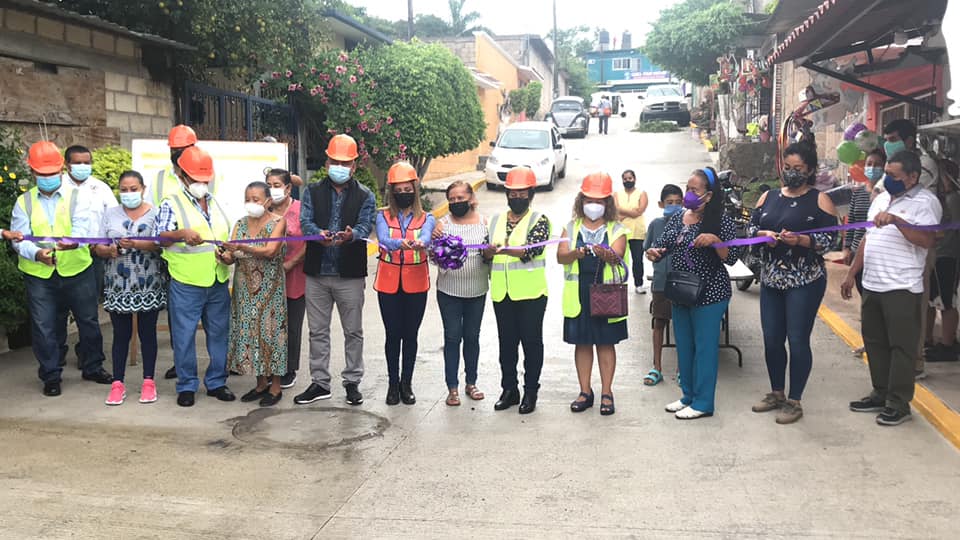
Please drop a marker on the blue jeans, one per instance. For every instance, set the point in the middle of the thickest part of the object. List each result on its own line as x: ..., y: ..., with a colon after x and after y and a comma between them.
x: 49, y: 300
x: 461, y: 323
x: 697, y: 331
x: 188, y: 306
x: 788, y: 315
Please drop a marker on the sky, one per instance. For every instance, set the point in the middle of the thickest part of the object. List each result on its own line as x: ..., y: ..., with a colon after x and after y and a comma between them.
x: 535, y: 16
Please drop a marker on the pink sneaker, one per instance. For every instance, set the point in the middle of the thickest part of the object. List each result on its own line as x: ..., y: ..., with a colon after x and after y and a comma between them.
x: 117, y: 393
x: 148, y: 392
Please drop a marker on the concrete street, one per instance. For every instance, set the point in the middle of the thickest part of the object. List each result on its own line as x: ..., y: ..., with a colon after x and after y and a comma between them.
x: 71, y: 467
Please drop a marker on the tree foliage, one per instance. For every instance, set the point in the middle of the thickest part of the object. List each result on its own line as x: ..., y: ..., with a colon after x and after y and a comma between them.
x: 533, y: 92
x: 688, y: 37
x: 518, y: 100
x: 109, y: 162
x: 13, y: 171
x: 571, y: 45
x: 462, y: 23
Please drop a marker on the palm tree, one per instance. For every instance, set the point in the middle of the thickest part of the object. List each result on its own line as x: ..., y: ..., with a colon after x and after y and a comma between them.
x: 462, y: 23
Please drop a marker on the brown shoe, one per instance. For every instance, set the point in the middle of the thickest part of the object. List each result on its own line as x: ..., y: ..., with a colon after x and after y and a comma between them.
x: 770, y: 402
x: 790, y: 412
x: 453, y: 397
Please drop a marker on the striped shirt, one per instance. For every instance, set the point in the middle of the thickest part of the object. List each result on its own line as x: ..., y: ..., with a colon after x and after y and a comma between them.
x: 890, y: 261
x: 473, y: 278
x: 857, y: 213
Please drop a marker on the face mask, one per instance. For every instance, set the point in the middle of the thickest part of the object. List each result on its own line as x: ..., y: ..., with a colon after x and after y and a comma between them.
x: 404, y: 200
x: 794, y: 179
x: 629, y: 185
x: 692, y: 201
x: 873, y: 173
x: 892, y: 148
x: 459, y: 209
x: 671, y: 209
x: 594, y: 211
x: 339, y: 173
x: 81, y: 171
x: 254, y: 210
x: 518, y: 206
x: 199, y: 190
x: 48, y: 183
x: 893, y: 186
x: 131, y: 199
x: 277, y: 195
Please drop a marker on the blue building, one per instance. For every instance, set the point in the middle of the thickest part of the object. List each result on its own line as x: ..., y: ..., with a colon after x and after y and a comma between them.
x: 623, y: 69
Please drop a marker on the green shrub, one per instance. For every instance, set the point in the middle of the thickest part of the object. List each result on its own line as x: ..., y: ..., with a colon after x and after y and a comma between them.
x: 656, y: 127
x: 109, y: 162
x: 13, y: 170
x: 533, y: 91
x: 363, y: 175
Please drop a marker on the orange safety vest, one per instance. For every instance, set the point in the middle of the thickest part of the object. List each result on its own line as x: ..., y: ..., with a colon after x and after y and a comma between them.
x: 403, y: 266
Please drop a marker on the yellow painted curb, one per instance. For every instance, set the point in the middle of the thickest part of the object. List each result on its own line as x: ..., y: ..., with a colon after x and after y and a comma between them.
x: 938, y: 413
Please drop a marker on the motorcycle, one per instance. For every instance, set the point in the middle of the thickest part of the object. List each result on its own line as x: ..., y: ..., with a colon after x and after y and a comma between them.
x: 734, y: 207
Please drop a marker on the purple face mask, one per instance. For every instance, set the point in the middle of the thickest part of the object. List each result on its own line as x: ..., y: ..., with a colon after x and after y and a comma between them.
x: 692, y: 201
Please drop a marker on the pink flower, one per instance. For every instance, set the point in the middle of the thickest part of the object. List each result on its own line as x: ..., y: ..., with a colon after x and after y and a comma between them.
x: 403, y: 148
x: 396, y: 134
x: 354, y: 103
x: 329, y: 85
x: 275, y: 74
x: 291, y: 88
x: 299, y: 86
x: 338, y: 82
x: 353, y: 79
x: 363, y: 126
x: 346, y: 130
x: 343, y: 57
x: 353, y: 94
x: 360, y: 112
x: 341, y: 70
x: 324, y: 100
x: 314, y: 91
x: 313, y: 70
x: 389, y: 120
x: 332, y: 131
x: 289, y: 74
x: 360, y: 70
x: 263, y: 84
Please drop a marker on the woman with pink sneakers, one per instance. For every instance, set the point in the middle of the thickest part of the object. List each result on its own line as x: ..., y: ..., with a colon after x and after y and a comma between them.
x: 135, y: 283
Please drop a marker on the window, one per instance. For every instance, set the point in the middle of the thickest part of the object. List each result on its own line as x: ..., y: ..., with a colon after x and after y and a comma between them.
x: 524, y: 139
x: 621, y: 64
x: 919, y: 116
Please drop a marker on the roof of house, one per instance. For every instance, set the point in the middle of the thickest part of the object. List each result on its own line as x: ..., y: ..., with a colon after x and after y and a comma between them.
x: 348, y: 25
x: 55, y: 12
x: 535, y: 41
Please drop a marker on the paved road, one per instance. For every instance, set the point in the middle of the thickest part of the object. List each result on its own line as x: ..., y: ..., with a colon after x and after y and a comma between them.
x: 73, y: 468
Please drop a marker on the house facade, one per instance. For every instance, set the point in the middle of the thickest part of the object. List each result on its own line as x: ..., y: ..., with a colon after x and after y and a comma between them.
x: 532, y: 51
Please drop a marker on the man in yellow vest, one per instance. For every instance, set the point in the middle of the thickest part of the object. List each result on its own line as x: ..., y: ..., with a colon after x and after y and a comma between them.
x: 167, y: 181
x: 518, y: 288
x: 58, y: 275
x: 198, y: 285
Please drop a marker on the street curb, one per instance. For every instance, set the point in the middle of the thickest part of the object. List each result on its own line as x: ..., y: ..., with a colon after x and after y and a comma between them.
x: 938, y: 413
x: 437, y: 212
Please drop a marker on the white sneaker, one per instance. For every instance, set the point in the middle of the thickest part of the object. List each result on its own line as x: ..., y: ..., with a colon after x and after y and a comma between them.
x: 689, y: 413
x: 641, y: 290
x: 675, y: 406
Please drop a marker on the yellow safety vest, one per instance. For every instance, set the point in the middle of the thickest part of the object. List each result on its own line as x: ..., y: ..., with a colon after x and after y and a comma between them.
x: 509, y: 275
x: 69, y: 263
x: 571, y: 272
x: 167, y: 184
x: 197, y: 265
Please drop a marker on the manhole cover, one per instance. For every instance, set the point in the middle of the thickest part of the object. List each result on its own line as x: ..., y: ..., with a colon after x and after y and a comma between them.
x: 309, y: 428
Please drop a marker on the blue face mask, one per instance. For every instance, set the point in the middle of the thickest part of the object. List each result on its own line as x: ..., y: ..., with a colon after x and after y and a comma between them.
x: 338, y: 173
x: 671, y: 209
x: 892, y: 148
x: 893, y: 186
x: 81, y: 171
x: 131, y: 199
x: 48, y: 184
x: 873, y: 173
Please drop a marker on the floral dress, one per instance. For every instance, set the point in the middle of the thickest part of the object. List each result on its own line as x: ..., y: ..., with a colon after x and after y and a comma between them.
x: 258, y: 313
x: 135, y: 281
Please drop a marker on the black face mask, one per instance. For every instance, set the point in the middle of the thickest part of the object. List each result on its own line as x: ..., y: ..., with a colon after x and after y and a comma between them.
x: 518, y: 206
x: 629, y: 185
x: 794, y: 179
x: 460, y: 209
x: 404, y: 200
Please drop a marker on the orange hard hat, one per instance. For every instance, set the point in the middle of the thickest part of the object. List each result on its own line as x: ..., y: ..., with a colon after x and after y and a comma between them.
x: 521, y: 178
x: 597, y: 185
x: 401, y: 172
x: 197, y: 163
x: 45, y: 158
x: 342, y: 148
x: 181, y: 136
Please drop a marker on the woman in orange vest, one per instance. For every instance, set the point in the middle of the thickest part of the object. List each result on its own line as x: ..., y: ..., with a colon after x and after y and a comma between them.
x: 403, y: 278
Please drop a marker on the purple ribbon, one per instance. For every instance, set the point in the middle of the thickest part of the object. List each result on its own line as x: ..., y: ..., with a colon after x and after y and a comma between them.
x: 953, y: 225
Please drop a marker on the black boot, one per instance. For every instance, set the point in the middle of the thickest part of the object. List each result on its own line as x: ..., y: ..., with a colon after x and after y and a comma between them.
x: 529, y: 403
x: 393, y: 394
x: 406, y: 394
x: 508, y: 398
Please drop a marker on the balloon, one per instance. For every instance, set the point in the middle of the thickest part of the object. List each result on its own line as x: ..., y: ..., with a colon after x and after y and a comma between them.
x: 848, y: 152
x: 867, y: 140
x: 857, y: 173
x: 851, y: 132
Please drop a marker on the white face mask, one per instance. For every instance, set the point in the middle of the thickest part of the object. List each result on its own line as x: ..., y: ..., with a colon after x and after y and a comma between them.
x: 278, y: 194
x: 254, y: 210
x: 199, y: 190
x: 594, y: 211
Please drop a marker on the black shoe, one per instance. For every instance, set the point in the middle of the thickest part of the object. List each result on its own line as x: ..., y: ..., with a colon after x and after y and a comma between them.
x: 185, y: 399
x: 393, y: 394
x: 269, y: 400
x: 529, y: 402
x: 406, y: 394
x: 255, y: 394
x: 354, y: 397
x: 508, y: 398
x: 893, y: 417
x: 288, y: 380
x: 100, y: 377
x: 941, y: 353
x: 223, y: 394
x: 171, y: 373
x: 867, y: 404
x: 606, y: 409
x: 314, y: 392
x: 51, y: 389
x: 579, y: 406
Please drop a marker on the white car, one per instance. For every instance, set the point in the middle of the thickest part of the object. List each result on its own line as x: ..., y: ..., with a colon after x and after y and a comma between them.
x: 537, y: 145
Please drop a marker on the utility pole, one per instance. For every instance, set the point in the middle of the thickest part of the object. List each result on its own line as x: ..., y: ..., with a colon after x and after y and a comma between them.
x: 556, y: 66
x: 409, y: 19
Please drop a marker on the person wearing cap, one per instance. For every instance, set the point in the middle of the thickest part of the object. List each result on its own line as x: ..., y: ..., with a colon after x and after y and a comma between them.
x: 518, y: 288
x: 595, y: 240
x: 58, y: 276
x: 167, y: 182
x: 342, y: 210
x: 198, y: 276
x: 403, y: 277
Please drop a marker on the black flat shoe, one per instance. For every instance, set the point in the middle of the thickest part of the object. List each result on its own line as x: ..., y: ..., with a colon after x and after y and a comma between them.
x: 255, y: 394
x: 51, y: 389
x: 269, y: 400
x: 529, y: 402
x: 100, y: 377
x: 406, y: 394
x: 185, y: 399
x: 393, y: 394
x: 171, y: 373
x: 223, y: 394
x: 508, y: 398
x: 606, y: 409
x: 579, y: 406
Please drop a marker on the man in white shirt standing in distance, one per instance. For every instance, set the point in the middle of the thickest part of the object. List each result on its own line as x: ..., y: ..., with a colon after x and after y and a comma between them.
x: 603, y: 114
x: 893, y: 256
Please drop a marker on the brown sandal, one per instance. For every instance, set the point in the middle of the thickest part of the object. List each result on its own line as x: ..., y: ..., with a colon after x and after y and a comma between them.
x: 453, y: 398
x: 474, y: 392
